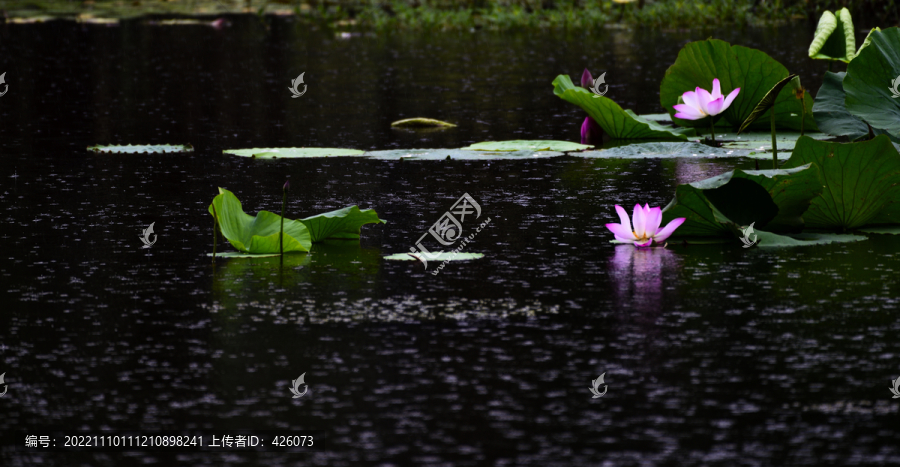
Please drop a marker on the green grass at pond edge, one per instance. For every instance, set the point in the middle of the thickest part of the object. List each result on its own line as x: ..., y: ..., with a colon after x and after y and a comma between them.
x: 455, y: 15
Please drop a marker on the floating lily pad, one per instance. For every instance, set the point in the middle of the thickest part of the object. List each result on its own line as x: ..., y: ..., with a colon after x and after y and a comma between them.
x: 285, y: 153
x: 142, y: 148
x: 891, y: 230
x: 861, y: 181
x: 616, y: 122
x: 751, y: 70
x: 436, y: 257
x: 421, y: 123
x: 768, y: 239
x: 665, y: 150
x: 564, y: 146
x: 458, y: 154
x: 761, y: 142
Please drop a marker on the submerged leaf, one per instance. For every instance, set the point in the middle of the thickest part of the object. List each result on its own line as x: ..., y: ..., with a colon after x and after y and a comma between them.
x: 617, y: 123
x: 862, y: 181
x: 142, y: 148
x: 273, y: 153
x: 767, y: 102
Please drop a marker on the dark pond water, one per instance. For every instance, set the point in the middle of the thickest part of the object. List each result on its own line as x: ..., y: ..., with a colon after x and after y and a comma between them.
x: 713, y: 355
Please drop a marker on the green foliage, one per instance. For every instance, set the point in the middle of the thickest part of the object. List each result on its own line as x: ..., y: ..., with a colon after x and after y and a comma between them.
x: 720, y: 205
x: 830, y: 113
x: 868, y: 81
x: 618, y: 123
x: 260, y: 235
x: 834, y: 39
x: 751, y: 70
x: 861, y: 182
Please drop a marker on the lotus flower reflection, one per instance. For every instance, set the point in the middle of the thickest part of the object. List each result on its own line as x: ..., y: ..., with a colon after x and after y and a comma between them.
x: 646, y: 226
x: 700, y: 103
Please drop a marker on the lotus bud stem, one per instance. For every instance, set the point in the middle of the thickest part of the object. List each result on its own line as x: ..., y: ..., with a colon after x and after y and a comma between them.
x: 287, y: 186
x: 215, y: 234
x: 712, y: 127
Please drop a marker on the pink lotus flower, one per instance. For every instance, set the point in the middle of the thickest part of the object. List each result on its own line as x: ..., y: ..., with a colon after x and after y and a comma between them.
x: 699, y: 103
x: 646, y: 226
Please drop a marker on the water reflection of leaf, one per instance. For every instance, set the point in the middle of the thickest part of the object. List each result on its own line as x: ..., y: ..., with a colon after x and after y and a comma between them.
x: 331, y: 266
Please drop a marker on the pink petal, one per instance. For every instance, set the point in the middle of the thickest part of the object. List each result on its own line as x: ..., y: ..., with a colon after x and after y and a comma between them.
x: 690, y: 98
x: 688, y: 113
x: 638, y: 221
x: 730, y: 98
x: 717, y: 89
x: 704, y: 98
x: 663, y: 234
x: 645, y: 244
x: 654, y: 218
x: 591, y: 132
x: 621, y: 232
x: 715, y: 106
x: 623, y: 217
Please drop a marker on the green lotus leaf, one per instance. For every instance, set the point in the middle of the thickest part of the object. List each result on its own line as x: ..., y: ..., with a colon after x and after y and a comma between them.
x: 617, y: 123
x: 767, y: 102
x: 870, y: 79
x: 665, y: 150
x: 720, y: 205
x: 143, y: 148
x: 830, y: 113
x: 517, y: 145
x: 344, y: 223
x: 752, y: 70
x: 260, y: 234
x: 885, y: 230
x: 279, y: 153
x: 867, y: 41
x: 861, y: 182
x: 834, y: 38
